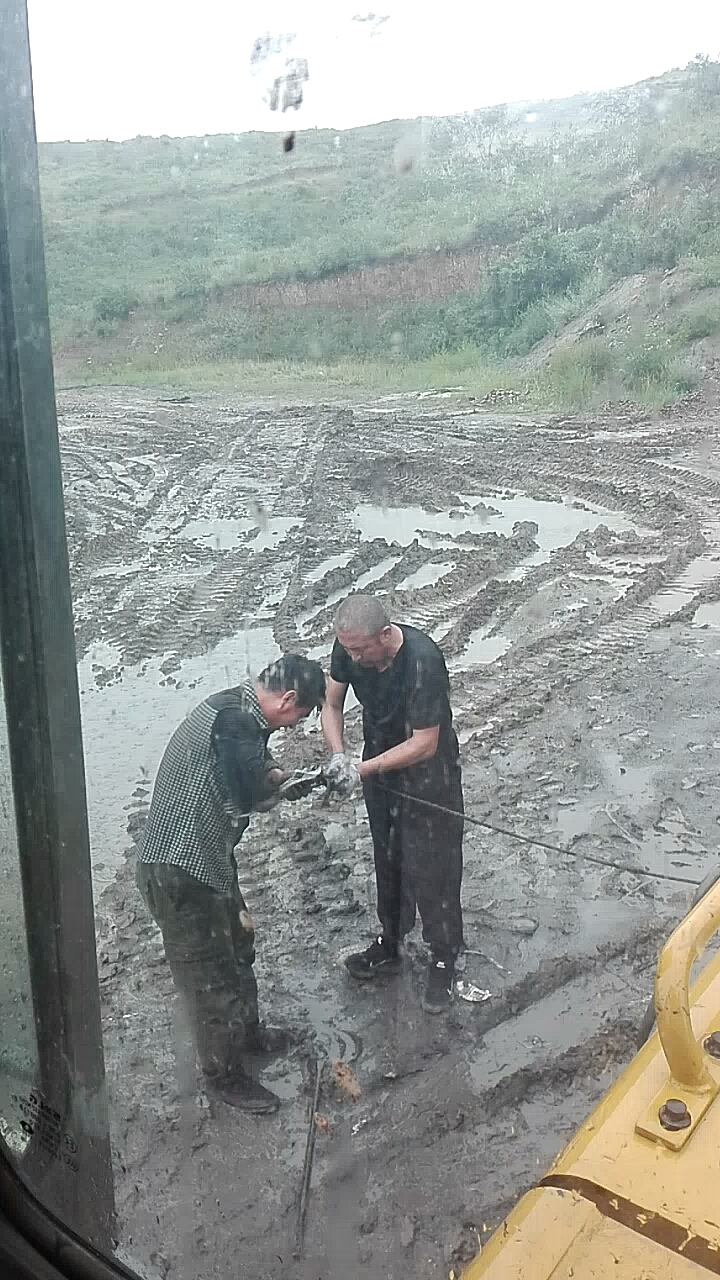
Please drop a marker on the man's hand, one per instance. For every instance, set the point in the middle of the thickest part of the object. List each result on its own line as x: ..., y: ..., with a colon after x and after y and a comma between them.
x: 264, y: 806
x: 342, y: 775
x: 275, y: 777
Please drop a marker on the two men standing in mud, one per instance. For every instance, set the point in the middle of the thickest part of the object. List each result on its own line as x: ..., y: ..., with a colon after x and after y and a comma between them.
x: 216, y: 770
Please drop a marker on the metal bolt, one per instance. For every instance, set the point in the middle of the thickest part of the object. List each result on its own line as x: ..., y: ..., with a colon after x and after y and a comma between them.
x: 674, y: 1115
x: 712, y: 1044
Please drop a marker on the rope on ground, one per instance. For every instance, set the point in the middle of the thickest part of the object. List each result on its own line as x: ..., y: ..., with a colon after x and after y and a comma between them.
x: 544, y: 844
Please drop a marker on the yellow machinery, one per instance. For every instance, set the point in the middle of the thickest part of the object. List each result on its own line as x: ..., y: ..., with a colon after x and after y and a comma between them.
x: 636, y: 1194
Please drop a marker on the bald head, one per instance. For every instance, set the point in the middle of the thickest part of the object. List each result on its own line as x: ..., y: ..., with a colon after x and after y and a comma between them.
x: 364, y: 629
x: 362, y: 614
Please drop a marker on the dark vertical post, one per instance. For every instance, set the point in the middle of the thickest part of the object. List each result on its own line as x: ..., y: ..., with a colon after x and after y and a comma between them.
x: 40, y: 683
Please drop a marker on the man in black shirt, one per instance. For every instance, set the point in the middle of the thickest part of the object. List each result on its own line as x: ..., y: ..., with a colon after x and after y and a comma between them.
x: 215, y: 771
x: 410, y: 755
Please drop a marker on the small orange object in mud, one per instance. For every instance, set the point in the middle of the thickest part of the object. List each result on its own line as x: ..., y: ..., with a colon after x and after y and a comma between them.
x: 346, y: 1081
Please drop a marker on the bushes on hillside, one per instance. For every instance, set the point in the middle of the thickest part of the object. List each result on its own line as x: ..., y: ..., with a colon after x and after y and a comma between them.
x: 116, y: 304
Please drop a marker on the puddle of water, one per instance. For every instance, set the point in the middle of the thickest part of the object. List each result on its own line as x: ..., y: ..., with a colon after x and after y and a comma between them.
x: 600, y: 921
x: 426, y: 576
x: 372, y: 575
x: 522, y: 570
x: 633, y: 782
x: 669, y: 601
x: 270, y: 602
x: 708, y: 615
x: 277, y: 529
x: 126, y: 725
x: 638, y: 434
x: 326, y: 566
x: 517, y: 1043
x: 320, y: 652
x: 558, y: 524
x: 697, y: 574
x: 220, y: 535
x: 482, y: 648
x: 227, y: 534
x: 304, y: 619
x: 577, y: 820
x: 659, y: 848
x: 613, y: 564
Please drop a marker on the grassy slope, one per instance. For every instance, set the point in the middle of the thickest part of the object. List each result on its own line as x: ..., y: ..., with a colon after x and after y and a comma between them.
x: 151, y: 246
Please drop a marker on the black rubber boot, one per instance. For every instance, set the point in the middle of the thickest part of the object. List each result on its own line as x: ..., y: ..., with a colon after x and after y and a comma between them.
x: 380, y: 957
x: 241, y: 1090
x: 438, y: 992
x: 270, y: 1041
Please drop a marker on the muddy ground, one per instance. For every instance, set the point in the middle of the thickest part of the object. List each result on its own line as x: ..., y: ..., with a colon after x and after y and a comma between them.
x: 570, y: 569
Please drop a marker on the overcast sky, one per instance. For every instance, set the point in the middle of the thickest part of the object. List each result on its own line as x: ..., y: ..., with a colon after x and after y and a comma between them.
x: 117, y: 68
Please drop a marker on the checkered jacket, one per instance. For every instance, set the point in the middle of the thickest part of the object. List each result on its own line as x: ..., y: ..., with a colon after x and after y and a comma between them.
x: 192, y: 822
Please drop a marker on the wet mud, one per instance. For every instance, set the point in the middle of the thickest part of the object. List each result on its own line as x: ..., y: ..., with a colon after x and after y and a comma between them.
x: 570, y: 570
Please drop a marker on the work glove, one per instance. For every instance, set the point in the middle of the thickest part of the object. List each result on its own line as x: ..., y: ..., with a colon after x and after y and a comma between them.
x: 342, y: 776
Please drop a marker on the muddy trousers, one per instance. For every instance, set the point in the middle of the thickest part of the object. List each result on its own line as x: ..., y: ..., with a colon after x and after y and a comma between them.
x: 418, y: 854
x: 210, y: 947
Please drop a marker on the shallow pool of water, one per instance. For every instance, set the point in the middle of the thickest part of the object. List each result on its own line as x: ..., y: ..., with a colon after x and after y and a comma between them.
x: 698, y: 573
x: 326, y: 566
x: 227, y: 534
x: 482, y: 648
x: 426, y: 576
x: 708, y: 615
x: 558, y: 524
x: 372, y: 575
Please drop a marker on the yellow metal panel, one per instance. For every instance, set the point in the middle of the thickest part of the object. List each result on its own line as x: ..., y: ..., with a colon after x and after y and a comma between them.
x: 557, y: 1235
x: 680, y: 1185
x: 606, y: 1249
x: 534, y: 1238
x: 615, y: 1192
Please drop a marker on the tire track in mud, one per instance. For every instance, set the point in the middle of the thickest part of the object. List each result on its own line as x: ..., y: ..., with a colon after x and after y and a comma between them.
x: 639, y: 498
x: 556, y: 972
x: 459, y: 1146
x: 338, y: 456
x: 222, y: 591
x: 614, y: 1044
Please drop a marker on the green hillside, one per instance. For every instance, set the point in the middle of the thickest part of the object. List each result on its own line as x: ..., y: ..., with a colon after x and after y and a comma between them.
x: 462, y: 241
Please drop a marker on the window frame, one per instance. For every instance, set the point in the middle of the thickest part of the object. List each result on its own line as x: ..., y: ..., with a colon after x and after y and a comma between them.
x: 39, y: 672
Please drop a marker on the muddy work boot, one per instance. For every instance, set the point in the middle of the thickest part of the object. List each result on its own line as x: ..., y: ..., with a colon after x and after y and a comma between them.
x: 438, y: 992
x: 241, y: 1090
x: 380, y: 957
x: 271, y: 1041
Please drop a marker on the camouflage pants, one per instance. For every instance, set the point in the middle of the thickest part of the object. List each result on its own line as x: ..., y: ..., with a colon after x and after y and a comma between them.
x: 210, y: 947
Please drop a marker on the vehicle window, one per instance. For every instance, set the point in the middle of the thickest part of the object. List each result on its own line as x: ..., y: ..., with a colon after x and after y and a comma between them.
x: 380, y: 473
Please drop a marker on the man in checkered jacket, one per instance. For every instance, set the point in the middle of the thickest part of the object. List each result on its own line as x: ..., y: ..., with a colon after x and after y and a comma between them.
x: 216, y: 770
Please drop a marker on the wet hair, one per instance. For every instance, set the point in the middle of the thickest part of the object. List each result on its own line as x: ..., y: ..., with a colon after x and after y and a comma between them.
x: 362, y: 613
x: 293, y: 671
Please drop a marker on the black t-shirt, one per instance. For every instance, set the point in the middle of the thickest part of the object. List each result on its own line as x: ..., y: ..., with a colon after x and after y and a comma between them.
x: 413, y: 693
